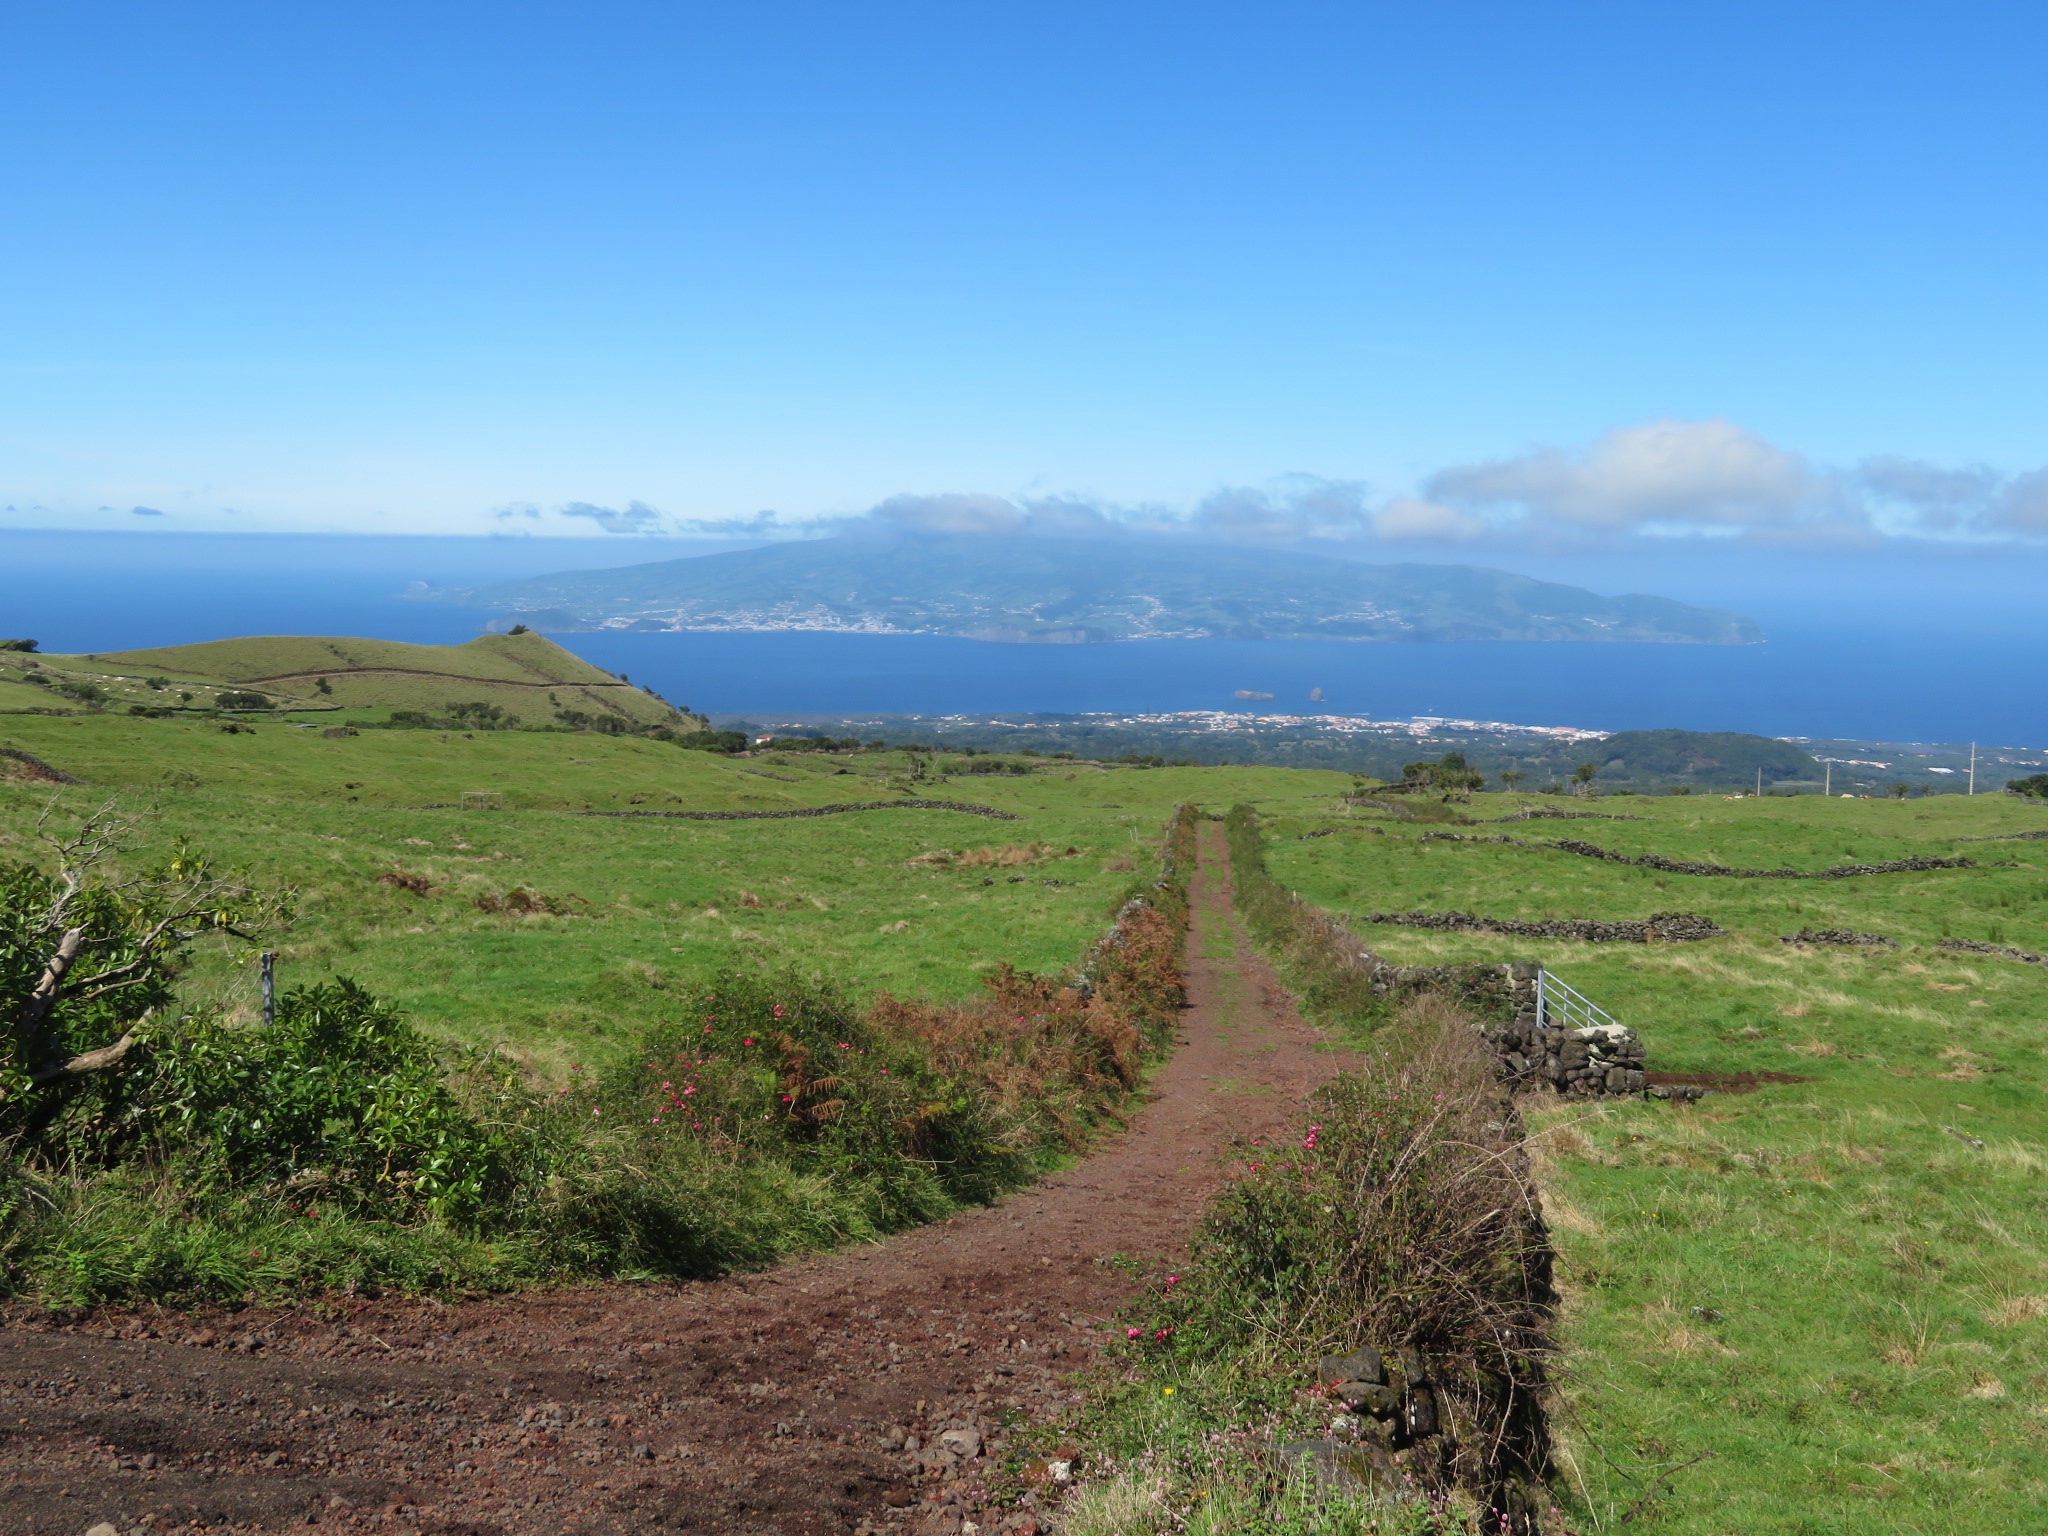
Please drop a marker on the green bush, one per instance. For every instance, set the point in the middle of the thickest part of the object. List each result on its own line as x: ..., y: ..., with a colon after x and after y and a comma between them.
x: 784, y: 1067
x: 474, y: 716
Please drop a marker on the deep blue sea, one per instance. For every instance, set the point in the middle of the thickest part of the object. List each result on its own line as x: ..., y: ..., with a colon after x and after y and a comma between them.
x: 1927, y: 648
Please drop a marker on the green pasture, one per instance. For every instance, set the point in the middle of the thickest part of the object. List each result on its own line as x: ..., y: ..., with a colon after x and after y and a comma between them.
x: 644, y: 907
x: 528, y: 675
x: 1821, y: 1306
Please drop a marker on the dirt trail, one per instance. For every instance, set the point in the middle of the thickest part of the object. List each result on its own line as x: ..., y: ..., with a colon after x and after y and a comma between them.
x: 758, y: 1404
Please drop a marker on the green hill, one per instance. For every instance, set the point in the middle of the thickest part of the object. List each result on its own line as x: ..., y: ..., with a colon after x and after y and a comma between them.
x: 527, y: 675
x: 1078, y: 590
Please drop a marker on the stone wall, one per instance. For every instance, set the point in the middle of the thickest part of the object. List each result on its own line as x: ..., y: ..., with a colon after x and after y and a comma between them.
x: 34, y: 767
x: 817, y: 810
x: 1686, y: 867
x: 1583, y: 1062
x: 1665, y: 927
x: 1604, y: 1059
x: 2002, y: 951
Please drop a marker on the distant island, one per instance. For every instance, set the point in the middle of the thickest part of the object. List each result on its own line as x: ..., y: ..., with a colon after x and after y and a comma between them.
x: 1076, y: 591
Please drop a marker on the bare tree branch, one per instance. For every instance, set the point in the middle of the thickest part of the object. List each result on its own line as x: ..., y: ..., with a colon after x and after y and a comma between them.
x: 44, y: 992
x: 86, y: 1062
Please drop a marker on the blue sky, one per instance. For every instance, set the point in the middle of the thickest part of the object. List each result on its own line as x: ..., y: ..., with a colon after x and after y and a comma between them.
x: 1422, y: 278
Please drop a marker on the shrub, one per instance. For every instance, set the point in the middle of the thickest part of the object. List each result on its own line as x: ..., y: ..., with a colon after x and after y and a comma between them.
x: 1400, y: 1218
x: 474, y: 716
x: 241, y: 698
x: 342, y: 1101
x: 2034, y: 787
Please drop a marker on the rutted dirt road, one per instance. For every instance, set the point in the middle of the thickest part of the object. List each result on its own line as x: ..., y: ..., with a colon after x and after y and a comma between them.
x: 762, y: 1403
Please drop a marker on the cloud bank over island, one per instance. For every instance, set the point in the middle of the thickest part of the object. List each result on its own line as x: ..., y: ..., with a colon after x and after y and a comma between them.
x: 1651, y: 486
x: 1656, y: 481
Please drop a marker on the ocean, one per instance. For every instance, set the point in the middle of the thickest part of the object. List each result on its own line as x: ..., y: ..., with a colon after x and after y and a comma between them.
x: 1909, y: 651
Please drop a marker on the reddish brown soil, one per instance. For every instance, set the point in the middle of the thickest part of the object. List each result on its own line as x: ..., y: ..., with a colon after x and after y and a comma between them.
x: 760, y: 1403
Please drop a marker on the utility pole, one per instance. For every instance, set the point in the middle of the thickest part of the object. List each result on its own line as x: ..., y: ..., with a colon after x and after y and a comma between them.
x: 1827, y: 781
x: 269, y: 988
x: 1759, y: 783
x: 1973, y: 767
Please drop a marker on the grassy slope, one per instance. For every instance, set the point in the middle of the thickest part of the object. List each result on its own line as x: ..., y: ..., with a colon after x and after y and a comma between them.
x: 528, y: 674
x: 1876, y: 1362
x: 323, y: 814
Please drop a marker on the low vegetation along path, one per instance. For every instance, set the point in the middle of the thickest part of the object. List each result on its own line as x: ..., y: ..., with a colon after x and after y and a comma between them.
x: 760, y: 1403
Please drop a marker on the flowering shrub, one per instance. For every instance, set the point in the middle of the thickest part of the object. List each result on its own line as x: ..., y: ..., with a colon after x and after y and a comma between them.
x: 784, y: 1068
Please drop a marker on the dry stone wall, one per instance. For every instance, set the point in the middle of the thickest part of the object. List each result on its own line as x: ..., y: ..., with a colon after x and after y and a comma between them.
x: 1545, y: 813
x: 1667, y: 927
x: 1587, y: 1062
x: 37, y: 768
x: 2002, y: 951
x: 817, y: 810
x: 1684, y: 867
x: 1584, y: 1062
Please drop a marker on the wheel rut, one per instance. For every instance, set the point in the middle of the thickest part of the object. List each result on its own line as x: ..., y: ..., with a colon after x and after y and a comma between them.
x: 756, y: 1403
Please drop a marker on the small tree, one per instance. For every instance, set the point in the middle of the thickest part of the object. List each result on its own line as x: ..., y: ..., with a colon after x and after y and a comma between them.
x: 88, y: 957
x: 1510, y: 777
x: 1898, y: 791
x: 1449, y: 774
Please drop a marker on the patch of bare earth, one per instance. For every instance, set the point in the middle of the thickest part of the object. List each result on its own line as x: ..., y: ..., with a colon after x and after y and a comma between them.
x: 861, y: 1389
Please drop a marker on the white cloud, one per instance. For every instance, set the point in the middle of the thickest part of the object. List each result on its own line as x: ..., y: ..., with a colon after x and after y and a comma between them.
x: 1657, y: 478
x: 1935, y: 497
x: 955, y: 512
x: 638, y: 517
x: 1294, y: 507
x: 1405, y: 517
x: 1699, y: 472
x: 2023, y: 504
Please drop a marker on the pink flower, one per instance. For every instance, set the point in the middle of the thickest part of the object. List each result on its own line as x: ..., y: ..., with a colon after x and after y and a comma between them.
x: 1134, y: 1333
x: 746, y: 1042
x: 1173, y: 1279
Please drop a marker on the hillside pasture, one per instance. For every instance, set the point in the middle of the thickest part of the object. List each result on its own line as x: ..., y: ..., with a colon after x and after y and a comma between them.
x: 562, y: 935
x: 1823, y: 1304
x: 527, y: 675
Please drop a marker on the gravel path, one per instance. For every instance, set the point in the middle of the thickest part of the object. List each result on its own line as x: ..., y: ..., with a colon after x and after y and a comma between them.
x: 856, y: 1390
